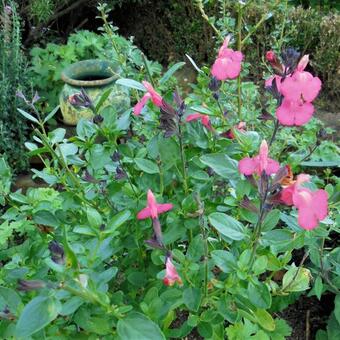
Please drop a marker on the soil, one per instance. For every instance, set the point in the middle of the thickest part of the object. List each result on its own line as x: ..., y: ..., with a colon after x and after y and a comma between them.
x: 182, y: 316
x: 307, y: 315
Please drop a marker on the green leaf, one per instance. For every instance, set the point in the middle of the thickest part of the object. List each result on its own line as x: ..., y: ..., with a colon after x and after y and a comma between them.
x: 192, y: 298
x: 102, y: 99
x: 147, y: 166
x: 259, y: 295
x: 318, y: 287
x: 201, y: 109
x: 205, y: 330
x: 222, y: 165
x: 265, y: 320
x: 37, y: 314
x: 28, y: 116
x: 296, y: 279
x: 260, y: 265
x: 51, y: 114
x: 322, y: 164
x: 10, y: 298
x: 133, y: 84
x: 137, y: 326
x: 94, y: 217
x: 227, y: 226
x: 45, y: 217
x: 116, y: 221
x: 225, y: 260
x: 337, y: 308
x: 170, y: 72
x: 271, y: 220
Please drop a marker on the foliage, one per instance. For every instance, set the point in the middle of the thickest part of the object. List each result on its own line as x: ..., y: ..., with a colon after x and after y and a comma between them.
x: 49, y: 62
x: 85, y: 266
x: 13, y: 77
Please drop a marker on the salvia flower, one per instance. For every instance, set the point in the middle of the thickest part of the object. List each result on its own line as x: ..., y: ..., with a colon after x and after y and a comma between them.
x: 153, y: 209
x: 312, y: 206
x: 301, y: 85
x: 171, y: 275
x: 259, y: 164
x: 150, y: 94
x: 298, y: 89
x: 203, y: 118
x: 228, y: 63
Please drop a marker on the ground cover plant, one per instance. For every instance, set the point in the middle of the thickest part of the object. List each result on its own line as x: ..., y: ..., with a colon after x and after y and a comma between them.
x: 203, y: 214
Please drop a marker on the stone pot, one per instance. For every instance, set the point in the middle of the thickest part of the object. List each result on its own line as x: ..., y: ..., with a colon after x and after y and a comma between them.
x: 95, y: 77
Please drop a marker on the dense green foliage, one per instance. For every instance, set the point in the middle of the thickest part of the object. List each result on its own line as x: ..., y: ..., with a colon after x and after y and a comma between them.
x: 13, y: 77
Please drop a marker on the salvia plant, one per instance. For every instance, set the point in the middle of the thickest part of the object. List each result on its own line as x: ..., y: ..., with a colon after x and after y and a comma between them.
x: 175, y: 217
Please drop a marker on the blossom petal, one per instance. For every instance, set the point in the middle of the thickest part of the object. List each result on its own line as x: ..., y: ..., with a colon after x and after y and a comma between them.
x: 144, y: 213
x: 161, y: 208
x: 247, y: 166
x: 139, y: 106
x: 272, y: 166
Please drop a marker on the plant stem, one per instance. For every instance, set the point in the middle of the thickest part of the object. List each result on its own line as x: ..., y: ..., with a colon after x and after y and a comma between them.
x: 239, y: 47
x: 161, y: 178
x: 202, y: 223
x: 276, y: 128
x: 184, y: 170
x: 257, y: 229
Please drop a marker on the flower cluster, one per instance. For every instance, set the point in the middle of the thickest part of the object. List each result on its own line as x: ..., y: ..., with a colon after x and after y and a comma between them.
x: 152, y: 210
x: 296, y: 88
x: 228, y: 63
x: 312, y: 206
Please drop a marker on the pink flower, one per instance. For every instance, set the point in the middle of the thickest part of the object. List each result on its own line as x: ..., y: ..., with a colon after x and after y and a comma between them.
x: 294, y: 112
x: 150, y: 94
x: 198, y: 116
x: 228, y: 63
x: 171, y: 275
x: 259, y: 163
x: 153, y: 208
x: 301, y: 85
x: 312, y: 205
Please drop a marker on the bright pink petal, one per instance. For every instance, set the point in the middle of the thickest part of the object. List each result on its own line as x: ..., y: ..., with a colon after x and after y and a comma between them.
x: 286, y: 195
x: 144, y: 213
x: 311, y: 92
x: 320, y: 204
x: 161, y: 208
x: 155, y: 96
x: 303, y: 62
x: 272, y: 166
x: 312, y: 207
x: 139, y: 106
x: 224, y: 46
x: 226, y: 68
x: 263, y: 156
x: 206, y: 121
x: 152, y: 204
x: 194, y: 116
x: 292, y: 113
x: 247, y: 166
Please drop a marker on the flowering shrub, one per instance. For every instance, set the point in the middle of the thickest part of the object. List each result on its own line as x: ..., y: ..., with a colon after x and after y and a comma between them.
x: 168, y: 218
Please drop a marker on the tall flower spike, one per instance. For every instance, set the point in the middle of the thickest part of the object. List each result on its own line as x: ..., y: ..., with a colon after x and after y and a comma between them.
x: 228, y: 63
x: 171, y: 275
x: 248, y: 166
x: 153, y: 209
x: 150, y: 94
x: 312, y: 206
